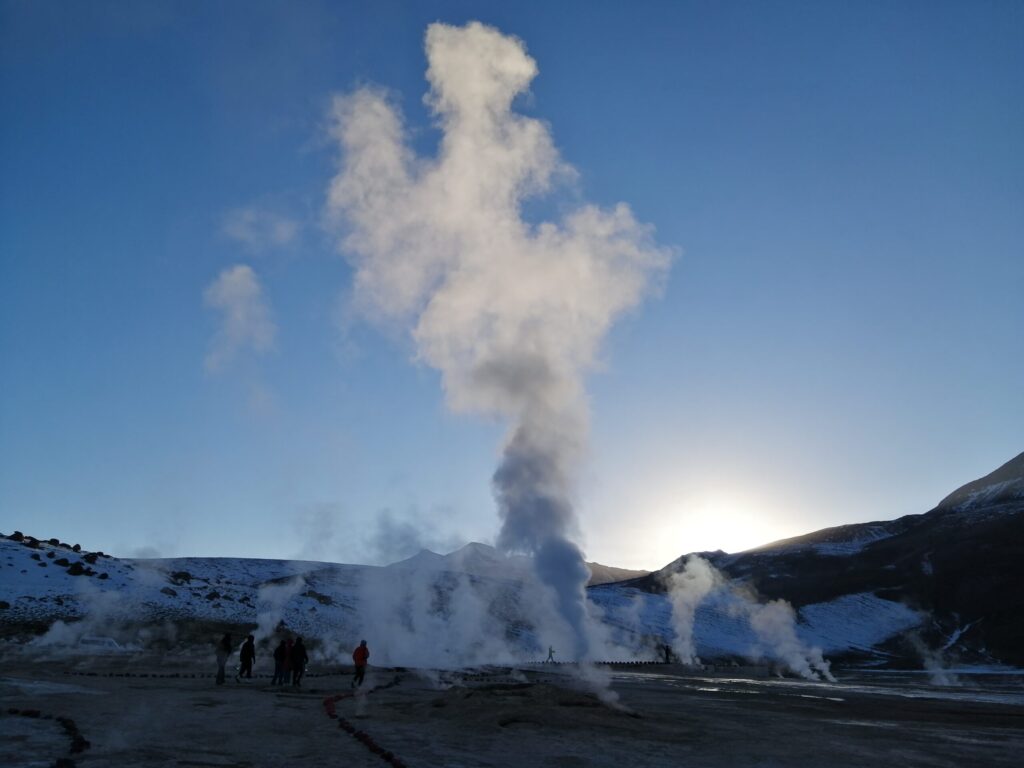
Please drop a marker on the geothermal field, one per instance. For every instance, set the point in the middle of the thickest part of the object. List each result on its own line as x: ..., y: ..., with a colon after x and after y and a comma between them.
x: 348, y: 304
x: 147, y: 710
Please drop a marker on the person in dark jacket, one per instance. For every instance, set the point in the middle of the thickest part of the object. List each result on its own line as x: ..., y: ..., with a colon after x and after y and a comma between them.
x: 359, y: 658
x: 223, y: 654
x: 246, y: 657
x: 288, y: 661
x: 280, y: 656
x: 299, y: 660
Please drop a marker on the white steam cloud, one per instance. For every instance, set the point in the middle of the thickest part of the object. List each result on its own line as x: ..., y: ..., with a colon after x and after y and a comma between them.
x: 511, y: 313
x: 773, y: 623
x: 271, y: 602
x: 686, y: 590
x: 246, y: 321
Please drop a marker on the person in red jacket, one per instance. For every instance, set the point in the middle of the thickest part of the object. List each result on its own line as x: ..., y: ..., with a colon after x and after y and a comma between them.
x: 360, y: 656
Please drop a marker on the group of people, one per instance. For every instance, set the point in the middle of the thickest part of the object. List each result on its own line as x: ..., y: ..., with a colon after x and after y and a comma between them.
x: 290, y: 660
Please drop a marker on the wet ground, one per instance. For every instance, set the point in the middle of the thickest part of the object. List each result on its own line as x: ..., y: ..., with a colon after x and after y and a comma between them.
x: 539, y: 716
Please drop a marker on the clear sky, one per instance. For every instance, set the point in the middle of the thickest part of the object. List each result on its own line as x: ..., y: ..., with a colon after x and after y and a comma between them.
x: 840, y: 337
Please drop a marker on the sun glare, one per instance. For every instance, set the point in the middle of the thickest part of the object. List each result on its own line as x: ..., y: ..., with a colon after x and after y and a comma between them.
x: 728, y: 522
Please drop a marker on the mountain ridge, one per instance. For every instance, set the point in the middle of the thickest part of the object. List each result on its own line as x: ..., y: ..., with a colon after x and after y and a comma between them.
x: 950, y: 577
x: 961, y: 564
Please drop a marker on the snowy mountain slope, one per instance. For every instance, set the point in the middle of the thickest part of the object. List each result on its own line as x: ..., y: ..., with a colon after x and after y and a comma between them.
x: 961, y: 565
x: 953, y: 573
x: 1002, y: 486
x: 474, y: 592
x: 414, y: 614
x: 852, y: 623
x: 484, y: 560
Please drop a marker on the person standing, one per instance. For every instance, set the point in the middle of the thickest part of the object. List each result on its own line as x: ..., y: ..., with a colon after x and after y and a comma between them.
x: 280, y: 656
x: 359, y: 657
x: 246, y: 657
x: 223, y: 654
x: 551, y: 655
x: 287, y: 670
x: 299, y: 661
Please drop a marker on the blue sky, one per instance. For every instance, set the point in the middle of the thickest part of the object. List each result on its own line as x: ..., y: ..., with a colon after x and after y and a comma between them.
x: 839, y: 338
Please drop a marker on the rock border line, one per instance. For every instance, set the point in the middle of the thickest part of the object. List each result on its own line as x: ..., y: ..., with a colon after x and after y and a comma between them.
x: 359, y: 735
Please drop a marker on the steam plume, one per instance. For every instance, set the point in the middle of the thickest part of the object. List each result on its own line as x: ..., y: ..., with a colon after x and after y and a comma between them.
x: 774, y: 622
x: 511, y: 313
x: 687, y: 589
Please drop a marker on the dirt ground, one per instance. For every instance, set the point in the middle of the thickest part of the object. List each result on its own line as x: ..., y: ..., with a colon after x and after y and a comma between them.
x: 539, y: 716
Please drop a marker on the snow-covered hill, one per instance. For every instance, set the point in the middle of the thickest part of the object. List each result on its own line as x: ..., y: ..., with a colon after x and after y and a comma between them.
x: 471, y: 605
x: 484, y: 560
x: 952, y: 575
x: 958, y: 566
x: 1003, y: 486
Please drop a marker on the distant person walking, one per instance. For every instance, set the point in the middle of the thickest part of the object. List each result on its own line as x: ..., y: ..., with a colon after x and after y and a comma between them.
x: 667, y: 650
x: 280, y: 655
x: 246, y: 657
x: 299, y: 661
x: 551, y: 655
x: 223, y: 654
x: 359, y: 657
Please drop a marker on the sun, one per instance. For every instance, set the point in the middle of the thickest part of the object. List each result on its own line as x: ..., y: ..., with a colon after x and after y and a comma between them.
x: 728, y: 521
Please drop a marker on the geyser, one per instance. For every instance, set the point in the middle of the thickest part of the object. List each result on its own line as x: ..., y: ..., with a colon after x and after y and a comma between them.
x: 511, y: 313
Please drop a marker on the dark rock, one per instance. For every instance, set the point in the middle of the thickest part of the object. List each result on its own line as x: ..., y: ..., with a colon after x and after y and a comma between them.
x: 31, y: 542
x: 103, y: 576
x: 76, y: 547
x: 76, y: 569
x: 53, y: 542
x: 62, y: 562
x: 16, y: 536
x: 168, y: 591
x: 36, y: 556
x: 4, y: 605
x: 51, y: 554
x: 320, y: 598
x: 90, y: 558
x: 212, y: 595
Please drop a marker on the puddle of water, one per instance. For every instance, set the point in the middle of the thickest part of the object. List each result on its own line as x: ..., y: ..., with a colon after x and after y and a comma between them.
x: 1003, y: 689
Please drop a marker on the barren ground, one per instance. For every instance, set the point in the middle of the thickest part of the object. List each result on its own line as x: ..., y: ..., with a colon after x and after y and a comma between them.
x: 534, y: 717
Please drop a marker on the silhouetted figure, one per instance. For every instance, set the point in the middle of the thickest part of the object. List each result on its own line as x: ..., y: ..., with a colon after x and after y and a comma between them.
x: 359, y: 658
x: 299, y: 661
x: 667, y: 650
x: 280, y: 656
x: 288, y: 661
x: 246, y: 657
x: 551, y: 655
x: 223, y: 654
